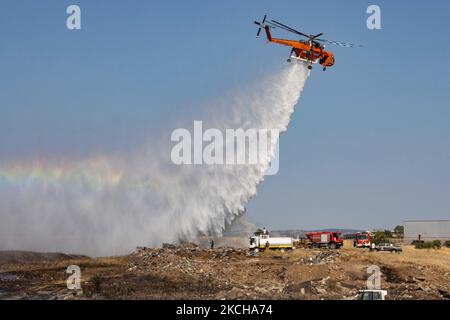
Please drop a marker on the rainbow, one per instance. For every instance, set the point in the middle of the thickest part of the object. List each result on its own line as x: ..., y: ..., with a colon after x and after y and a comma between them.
x: 97, y: 172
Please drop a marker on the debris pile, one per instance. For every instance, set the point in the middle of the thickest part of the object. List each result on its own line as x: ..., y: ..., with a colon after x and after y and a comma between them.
x: 234, y: 272
x: 187, y: 258
x: 418, y: 288
x: 323, y: 257
x: 325, y: 288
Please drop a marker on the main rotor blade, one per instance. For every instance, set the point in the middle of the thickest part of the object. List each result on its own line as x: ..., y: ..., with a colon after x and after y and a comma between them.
x: 341, y: 43
x: 287, y: 28
x: 317, y: 35
x: 275, y: 26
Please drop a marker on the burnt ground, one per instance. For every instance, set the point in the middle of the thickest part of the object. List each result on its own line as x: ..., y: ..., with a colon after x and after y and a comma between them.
x: 189, y: 272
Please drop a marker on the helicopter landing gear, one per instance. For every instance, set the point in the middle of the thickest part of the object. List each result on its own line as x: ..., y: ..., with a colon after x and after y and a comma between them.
x: 290, y: 55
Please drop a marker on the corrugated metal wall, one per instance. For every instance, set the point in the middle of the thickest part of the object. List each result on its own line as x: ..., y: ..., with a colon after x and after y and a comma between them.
x: 429, y: 229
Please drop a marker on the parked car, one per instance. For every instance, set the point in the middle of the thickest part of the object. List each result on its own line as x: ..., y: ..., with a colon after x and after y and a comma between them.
x: 388, y: 247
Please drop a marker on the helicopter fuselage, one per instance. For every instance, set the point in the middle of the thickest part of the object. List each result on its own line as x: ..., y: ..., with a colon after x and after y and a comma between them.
x: 310, y: 52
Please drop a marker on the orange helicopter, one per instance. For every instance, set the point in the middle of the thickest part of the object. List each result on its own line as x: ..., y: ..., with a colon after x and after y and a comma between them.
x: 310, y: 51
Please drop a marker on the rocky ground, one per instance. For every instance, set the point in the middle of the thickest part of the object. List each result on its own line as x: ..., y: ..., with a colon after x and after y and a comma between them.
x: 187, y: 271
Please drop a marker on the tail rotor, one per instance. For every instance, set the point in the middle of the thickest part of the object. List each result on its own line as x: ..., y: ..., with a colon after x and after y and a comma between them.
x: 261, y: 25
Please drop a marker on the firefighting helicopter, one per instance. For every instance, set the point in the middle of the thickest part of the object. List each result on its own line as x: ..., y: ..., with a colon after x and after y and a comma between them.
x: 310, y: 50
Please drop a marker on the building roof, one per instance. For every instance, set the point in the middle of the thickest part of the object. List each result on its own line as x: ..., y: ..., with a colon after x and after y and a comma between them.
x: 426, y: 220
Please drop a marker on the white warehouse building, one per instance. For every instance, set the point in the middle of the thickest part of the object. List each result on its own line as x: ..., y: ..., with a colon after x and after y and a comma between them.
x: 428, y: 230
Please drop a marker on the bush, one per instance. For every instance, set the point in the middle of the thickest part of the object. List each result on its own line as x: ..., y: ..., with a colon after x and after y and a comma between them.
x: 97, y: 283
x: 379, y: 237
x: 447, y: 244
x: 423, y: 245
x: 436, y: 244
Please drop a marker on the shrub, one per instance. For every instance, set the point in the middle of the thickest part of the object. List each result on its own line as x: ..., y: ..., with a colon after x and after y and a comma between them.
x: 379, y: 237
x: 436, y: 244
x: 97, y: 283
x: 447, y: 244
x: 423, y: 245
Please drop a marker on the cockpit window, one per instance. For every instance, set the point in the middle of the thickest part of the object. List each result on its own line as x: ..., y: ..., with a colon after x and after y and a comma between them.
x: 376, y: 296
x: 367, y: 296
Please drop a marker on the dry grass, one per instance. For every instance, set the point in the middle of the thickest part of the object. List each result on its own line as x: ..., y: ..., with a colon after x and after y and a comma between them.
x: 424, y: 257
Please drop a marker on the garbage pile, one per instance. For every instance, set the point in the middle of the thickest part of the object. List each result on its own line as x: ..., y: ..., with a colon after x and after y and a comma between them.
x: 187, y: 258
x: 323, y: 257
x: 418, y: 288
x: 325, y: 287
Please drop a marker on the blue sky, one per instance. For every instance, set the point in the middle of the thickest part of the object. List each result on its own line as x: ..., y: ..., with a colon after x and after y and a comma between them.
x: 368, y: 145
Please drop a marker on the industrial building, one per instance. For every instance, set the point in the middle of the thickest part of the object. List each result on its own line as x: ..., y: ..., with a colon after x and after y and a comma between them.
x: 427, y: 230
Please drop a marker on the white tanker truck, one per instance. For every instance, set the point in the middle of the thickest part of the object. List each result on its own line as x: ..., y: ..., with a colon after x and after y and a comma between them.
x: 264, y: 241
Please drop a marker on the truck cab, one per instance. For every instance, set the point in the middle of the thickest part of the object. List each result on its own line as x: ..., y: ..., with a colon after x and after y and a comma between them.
x: 254, y: 242
x: 362, y: 240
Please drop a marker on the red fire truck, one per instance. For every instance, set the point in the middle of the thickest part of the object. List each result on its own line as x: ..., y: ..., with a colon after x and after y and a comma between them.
x: 362, y: 240
x: 325, y: 239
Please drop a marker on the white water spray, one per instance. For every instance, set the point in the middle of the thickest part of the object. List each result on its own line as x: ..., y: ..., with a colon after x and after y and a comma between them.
x: 111, y: 206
